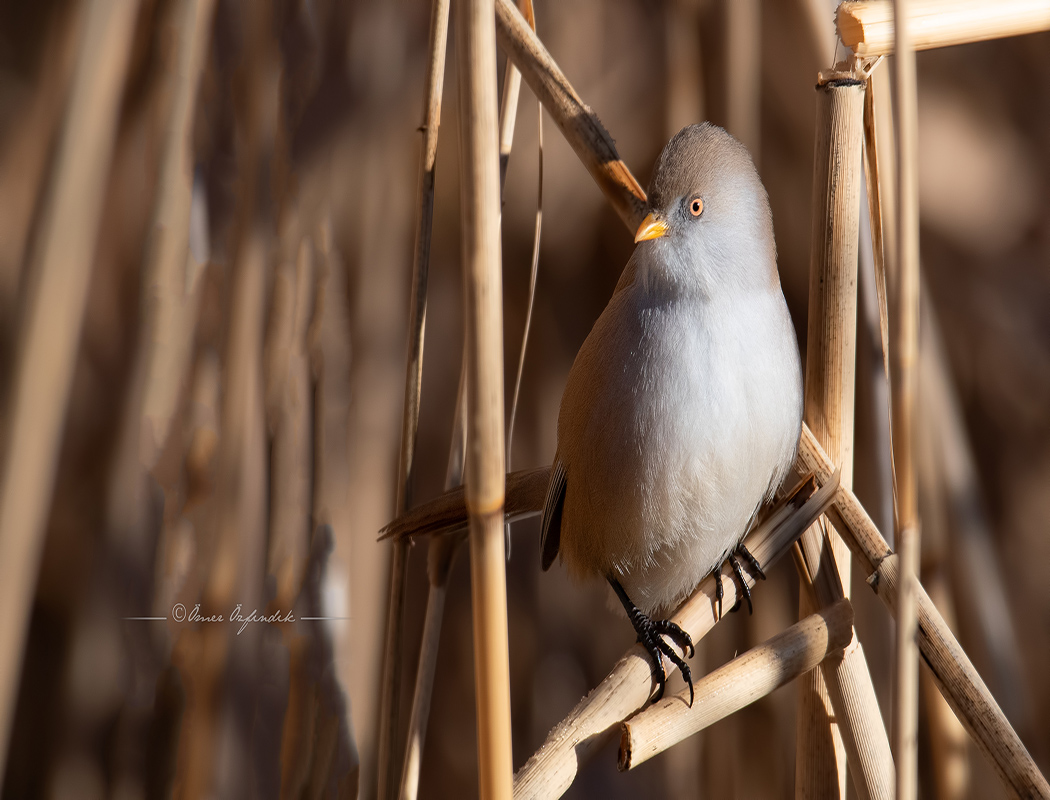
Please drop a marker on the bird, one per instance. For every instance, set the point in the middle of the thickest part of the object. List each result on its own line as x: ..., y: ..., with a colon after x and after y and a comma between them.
x: 682, y: 411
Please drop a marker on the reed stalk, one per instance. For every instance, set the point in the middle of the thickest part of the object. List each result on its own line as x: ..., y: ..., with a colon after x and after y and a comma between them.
x: 57, y: 283
x: 170, y: 271
x: 820, y: 766
x: 882, y: 204
x: 629, y: 685
x: 731, y: 687
x: 867, y: 27
x: 955, y: 675
x: 441, y: 551
x: 509, y: 103
x: 904, y: 352
x: 479, y: 161
x: 578, y: 123
x: 393, y: 650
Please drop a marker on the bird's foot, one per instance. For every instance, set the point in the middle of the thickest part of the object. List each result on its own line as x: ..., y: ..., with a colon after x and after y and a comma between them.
x: 651, y: 635
x: 745, y: 590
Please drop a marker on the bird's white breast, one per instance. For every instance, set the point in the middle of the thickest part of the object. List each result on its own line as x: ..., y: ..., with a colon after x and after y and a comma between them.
x: 679, y: 414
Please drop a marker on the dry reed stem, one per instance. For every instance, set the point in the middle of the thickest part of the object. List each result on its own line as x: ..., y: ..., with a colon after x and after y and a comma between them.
x: 508, y: 113
x: 288, y: 407
x: 962, y: 687
x: 903, y: 380
x: 731, y: 687
x: 393, y: 656
x: 866, y: 26
x: 820, y: 764
x: 883, y: 230
x: 578, y: 123
x: 849, y: 686
x: 424, y: 690
x: 956, y: 677
x: 56, y: 294
x: 863, y: 732
x: 949, y: 755
x: 629, y: 685
x: 27, y: 148
x: 479, y: 163
x: 441, y: 550
x: 170, y: 270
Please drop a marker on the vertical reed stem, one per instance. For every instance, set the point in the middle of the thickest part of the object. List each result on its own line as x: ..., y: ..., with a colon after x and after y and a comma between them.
x: 389, y: 715
x: 830, y: 366
x: 476, y: 62
x: 905, y: 337
x: 47, y: 342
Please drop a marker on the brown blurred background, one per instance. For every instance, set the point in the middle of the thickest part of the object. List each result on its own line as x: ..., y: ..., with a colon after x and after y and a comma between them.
x: 294, y: 306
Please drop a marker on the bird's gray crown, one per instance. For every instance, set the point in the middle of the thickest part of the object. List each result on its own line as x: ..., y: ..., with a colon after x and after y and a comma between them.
x: 697, y: 158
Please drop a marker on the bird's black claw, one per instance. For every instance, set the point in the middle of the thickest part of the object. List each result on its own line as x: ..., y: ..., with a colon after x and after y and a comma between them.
x: 651, y: 636
x: 719, y: 591
x: 752, y: 562
x: 676, y: 634
x: 734, y: 562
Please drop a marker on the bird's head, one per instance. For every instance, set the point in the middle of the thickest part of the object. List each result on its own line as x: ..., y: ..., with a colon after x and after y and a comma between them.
x: 709, y: 221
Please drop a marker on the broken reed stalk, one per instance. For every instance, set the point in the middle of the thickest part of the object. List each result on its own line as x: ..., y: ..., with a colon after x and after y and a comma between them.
x: 867, y: 27
x: 56, y: 294
x: 479, y: 163
x: 903, y: 384
x: 578, y: 123
x: 731, y: 687
x: 393, y: 655
x: 820, y: 756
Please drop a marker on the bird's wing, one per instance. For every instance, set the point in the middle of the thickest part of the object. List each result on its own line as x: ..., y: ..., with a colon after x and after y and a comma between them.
x: 550, y: 529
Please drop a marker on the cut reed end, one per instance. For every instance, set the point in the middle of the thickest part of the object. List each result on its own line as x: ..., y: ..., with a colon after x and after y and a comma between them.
x: 850, y: 19
x: 623, y: 758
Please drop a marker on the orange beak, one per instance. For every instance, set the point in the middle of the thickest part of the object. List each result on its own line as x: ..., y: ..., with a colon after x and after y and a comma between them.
x: 651, y: 228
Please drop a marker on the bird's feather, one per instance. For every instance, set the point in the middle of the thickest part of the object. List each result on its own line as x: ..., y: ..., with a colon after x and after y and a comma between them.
x: 550, y: 529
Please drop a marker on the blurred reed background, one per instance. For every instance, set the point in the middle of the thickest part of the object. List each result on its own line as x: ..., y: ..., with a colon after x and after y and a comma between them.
x: 234, y: 391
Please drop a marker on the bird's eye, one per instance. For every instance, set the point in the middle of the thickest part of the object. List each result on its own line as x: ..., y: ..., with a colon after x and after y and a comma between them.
x: 696, y: 207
